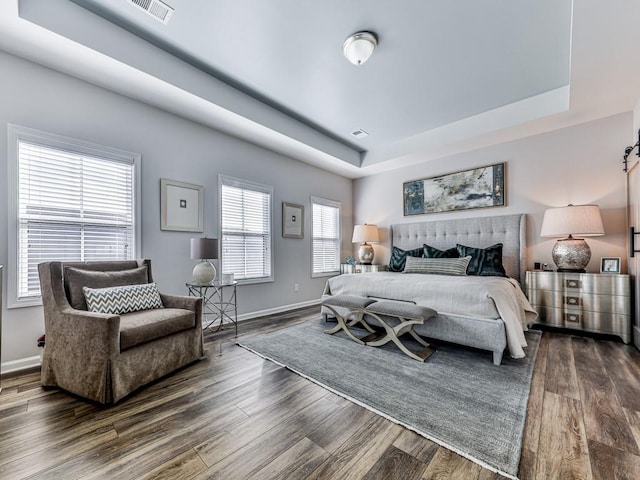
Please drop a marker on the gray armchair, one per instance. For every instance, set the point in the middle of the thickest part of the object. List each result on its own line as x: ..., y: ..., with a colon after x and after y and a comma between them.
x: 104, y: 357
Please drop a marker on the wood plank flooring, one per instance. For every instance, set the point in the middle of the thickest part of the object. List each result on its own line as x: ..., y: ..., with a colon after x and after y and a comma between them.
x: 234, y: 416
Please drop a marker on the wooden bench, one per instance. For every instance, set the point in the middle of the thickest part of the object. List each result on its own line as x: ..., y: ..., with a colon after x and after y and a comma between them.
x: 406, y: 315
x: 355, y: 307
x: 396, y: 318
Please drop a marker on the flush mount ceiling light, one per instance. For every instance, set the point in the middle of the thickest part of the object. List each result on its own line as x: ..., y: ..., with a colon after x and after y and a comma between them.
x: 359, y: 47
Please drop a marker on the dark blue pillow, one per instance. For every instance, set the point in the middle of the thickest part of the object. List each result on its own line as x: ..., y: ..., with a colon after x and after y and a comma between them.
x: 433, y: 252
x: 399, y: 257
x: 485, y: 262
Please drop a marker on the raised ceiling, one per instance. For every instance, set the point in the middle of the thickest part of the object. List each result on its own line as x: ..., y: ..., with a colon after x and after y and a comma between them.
x: 446, y: 75
x: 436, y: 63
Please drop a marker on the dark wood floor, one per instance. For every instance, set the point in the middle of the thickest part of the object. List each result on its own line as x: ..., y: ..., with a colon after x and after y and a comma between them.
x: 235, y: 416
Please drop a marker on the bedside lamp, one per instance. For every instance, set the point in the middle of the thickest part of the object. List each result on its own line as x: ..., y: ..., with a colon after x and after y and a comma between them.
x: 204, y: 249
x: 572, y: 254
x: 363, y: 234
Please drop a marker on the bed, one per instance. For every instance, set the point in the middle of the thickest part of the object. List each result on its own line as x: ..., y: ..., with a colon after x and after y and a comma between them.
x: 488, y: 313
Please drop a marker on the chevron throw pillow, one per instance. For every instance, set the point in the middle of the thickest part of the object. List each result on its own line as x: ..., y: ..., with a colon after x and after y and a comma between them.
x: 117, y: 300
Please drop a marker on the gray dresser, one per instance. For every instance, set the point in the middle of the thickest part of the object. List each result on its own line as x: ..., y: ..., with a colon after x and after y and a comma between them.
x: 592, y: 302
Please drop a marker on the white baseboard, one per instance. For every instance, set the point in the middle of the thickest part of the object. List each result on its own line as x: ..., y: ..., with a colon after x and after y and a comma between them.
x: 283, y: 308
x: 20, y: 364
x: 30, y: 362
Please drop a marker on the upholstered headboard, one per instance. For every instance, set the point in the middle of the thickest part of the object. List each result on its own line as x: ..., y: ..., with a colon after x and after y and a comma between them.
x: 510, y: 230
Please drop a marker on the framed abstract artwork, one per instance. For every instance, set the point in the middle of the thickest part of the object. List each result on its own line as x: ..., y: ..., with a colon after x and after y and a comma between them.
x: 181, y: 206
x: 475, y: 188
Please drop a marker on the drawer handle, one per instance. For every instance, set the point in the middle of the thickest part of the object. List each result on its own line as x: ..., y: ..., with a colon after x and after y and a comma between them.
x: 572, y: 317
x: 573, y: 283
x: 572, y: 301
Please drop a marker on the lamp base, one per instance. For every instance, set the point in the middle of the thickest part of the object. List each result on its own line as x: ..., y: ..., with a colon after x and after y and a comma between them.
x: 571, y: 255
x: 365, y: 254
x: 204, y: 273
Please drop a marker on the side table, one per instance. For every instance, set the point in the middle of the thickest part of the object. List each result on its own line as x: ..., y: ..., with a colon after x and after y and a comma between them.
x: 218, y: 307
x: 359, y: 268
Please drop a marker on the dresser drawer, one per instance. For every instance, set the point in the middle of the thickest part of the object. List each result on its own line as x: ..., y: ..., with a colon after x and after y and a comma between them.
x: 590, y: 302
x: 613, y: 324
x: 600, y: 284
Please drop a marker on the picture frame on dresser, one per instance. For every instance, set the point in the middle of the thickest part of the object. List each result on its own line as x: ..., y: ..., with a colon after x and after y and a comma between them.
x: 610, y: 265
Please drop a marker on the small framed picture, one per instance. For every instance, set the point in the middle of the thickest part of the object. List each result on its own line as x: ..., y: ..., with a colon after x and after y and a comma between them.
x: 181, y: 206
x: 610, y: 265
x: 292, y: 220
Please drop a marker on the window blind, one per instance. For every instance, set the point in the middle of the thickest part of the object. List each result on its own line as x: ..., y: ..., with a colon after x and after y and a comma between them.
x: 246, y: 229
x: 71, y: 207
x: 326, y: 236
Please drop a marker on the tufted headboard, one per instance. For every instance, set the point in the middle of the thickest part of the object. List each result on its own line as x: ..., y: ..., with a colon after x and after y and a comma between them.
x: 510, y: 230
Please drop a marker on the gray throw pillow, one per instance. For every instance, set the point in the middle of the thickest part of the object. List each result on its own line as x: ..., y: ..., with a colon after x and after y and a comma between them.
x: 76, y: 278
x: 438, y: 266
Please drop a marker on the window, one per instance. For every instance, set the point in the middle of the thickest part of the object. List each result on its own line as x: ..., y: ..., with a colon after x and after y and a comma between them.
x: 245, y: 216
x: 70, y: 201
x: 325, y: 232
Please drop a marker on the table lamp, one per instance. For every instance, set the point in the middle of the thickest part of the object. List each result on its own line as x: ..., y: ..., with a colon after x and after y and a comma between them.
x: 363, y: 234
x: 572, y: 254
x: 204, y: 249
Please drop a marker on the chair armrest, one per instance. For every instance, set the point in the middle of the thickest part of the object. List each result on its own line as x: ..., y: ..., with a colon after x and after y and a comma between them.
x: 180, y: 301
x: 186, y: 303
x: 86, y: 334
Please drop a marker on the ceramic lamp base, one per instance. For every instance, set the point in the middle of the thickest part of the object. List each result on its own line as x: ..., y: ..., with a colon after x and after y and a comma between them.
x: 571, y: 255
x: 365, y: 254
x: 204, y: 273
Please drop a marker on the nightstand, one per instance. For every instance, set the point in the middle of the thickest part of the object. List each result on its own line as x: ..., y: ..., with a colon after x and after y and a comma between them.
x: 359, y: 268
x: 591, y: 302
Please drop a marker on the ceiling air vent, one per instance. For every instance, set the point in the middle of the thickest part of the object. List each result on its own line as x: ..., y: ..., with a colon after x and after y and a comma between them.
x: 157, y: 9
x: 359, y: 133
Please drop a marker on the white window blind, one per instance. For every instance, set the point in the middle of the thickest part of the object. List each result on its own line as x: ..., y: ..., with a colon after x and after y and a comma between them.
x: 70, y: 207
x: 246, y: 229
x: 326, y: 236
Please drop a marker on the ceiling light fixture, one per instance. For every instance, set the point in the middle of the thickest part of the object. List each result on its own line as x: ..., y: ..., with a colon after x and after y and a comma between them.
x: 359, y: 47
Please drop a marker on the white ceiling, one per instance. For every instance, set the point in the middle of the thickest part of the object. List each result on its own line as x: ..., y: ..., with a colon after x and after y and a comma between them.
x: 447, y: 77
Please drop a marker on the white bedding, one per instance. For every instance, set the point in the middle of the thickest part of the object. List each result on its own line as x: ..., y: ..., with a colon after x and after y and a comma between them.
x: 468, y: 296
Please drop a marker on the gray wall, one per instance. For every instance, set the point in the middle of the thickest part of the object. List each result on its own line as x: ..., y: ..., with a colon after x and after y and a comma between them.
x: 174, y: 148
x: 578, y: 165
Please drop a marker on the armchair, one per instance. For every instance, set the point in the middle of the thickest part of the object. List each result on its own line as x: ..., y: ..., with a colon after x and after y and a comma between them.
x: 102, y: 356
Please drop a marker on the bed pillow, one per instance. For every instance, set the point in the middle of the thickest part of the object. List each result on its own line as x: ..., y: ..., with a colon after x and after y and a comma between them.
x: 433, y: 252
x: 438, y: 266
x: 485, y: 262
x: 125, y: 299
x: 399, y: 256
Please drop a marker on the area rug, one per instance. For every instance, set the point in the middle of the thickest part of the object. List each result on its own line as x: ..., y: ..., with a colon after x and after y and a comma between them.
x: 457, y: 398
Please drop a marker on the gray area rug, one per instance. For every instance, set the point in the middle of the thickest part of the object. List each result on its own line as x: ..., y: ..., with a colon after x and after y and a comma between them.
x: 457, y: 398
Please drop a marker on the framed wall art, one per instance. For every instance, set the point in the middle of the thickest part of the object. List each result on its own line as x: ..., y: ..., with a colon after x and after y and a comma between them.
x: 181, y: 206
x: 292, y: 220
x: 609, y: 264
x: 475, y: 188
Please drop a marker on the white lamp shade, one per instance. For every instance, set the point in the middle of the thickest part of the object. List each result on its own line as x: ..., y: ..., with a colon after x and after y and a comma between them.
x: 204, y: 248
x: 578, y: 220
x: 365, y: 233
x: 359, y: 47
